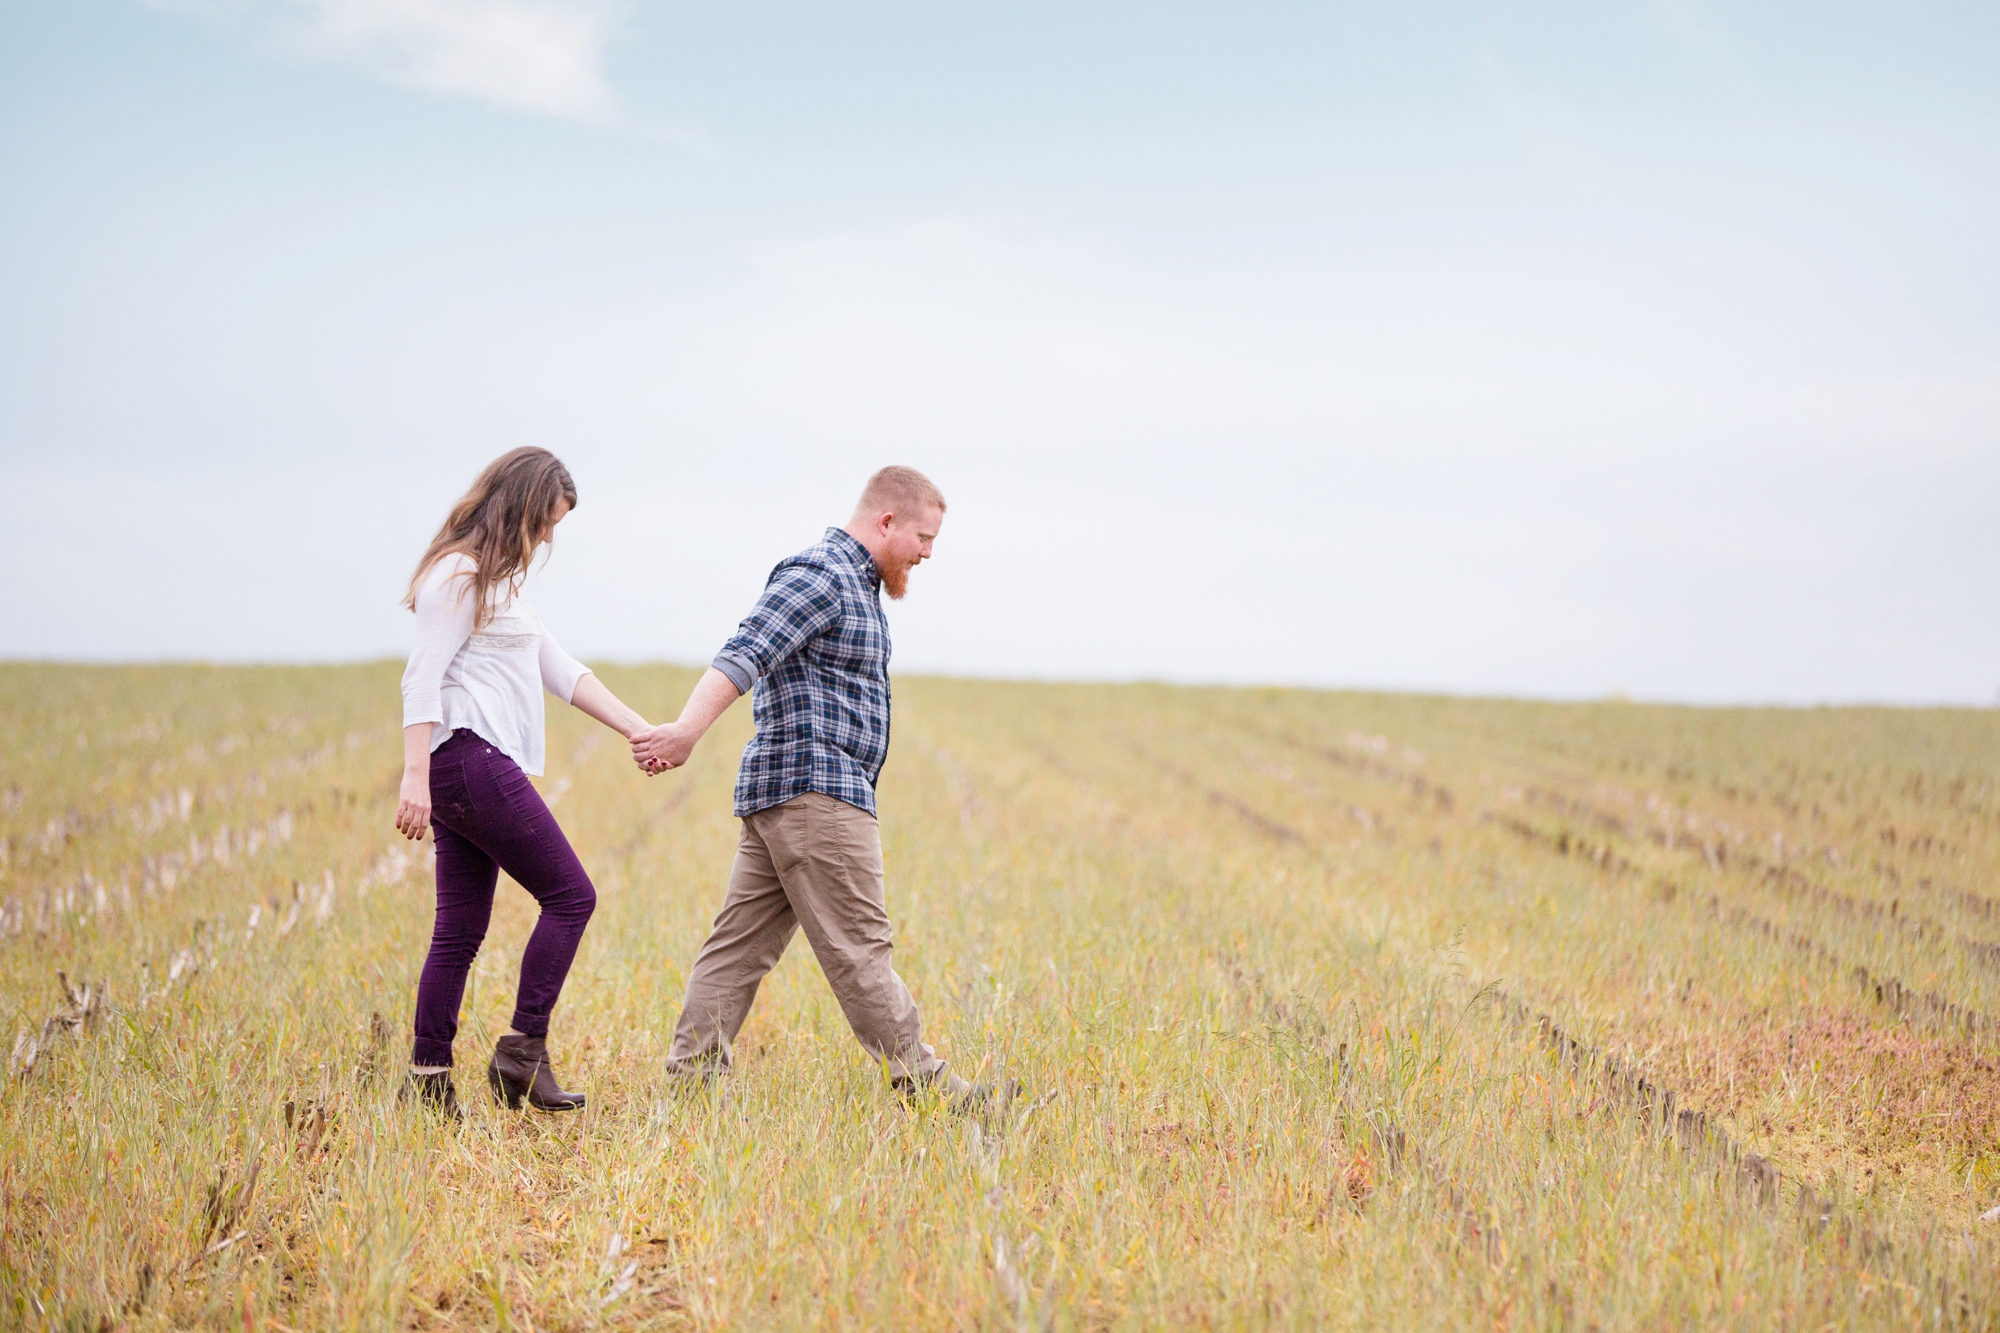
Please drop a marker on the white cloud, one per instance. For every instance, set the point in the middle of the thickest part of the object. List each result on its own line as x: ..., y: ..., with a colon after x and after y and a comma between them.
x: 544, y: 56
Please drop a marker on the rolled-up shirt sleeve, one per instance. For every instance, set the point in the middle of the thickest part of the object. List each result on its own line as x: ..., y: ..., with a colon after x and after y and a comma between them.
x: 799, y: 604
x: 560, y: 671
x: 444, y: 623
x: 737, y: 667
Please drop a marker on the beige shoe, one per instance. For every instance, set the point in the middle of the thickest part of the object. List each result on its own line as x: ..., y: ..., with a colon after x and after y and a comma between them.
x: 959, y: 1096
x: 696, y: 1076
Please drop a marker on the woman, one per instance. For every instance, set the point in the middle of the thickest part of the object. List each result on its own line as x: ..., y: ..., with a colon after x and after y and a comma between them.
x: 472, y: 733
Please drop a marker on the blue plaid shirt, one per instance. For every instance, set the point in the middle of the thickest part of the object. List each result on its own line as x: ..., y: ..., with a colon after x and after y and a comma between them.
x: 819, y: 644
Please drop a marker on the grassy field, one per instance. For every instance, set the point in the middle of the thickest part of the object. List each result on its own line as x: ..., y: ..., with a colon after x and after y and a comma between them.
x: 1332, y: 1009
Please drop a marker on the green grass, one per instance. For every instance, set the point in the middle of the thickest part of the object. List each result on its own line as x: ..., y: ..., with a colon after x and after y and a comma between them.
x: 1272, y: 965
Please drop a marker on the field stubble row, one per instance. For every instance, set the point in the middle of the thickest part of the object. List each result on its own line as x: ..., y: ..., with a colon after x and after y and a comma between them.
x: 1314, y: 1033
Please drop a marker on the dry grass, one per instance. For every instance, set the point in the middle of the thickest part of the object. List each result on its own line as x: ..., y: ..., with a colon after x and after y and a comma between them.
x: 1336, y: 1010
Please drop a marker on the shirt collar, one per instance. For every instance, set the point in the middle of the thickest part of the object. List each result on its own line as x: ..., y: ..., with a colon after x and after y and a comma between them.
x: 840, y: 539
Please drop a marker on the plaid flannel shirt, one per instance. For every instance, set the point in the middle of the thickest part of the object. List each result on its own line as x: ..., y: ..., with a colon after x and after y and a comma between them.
x: 817, y: 646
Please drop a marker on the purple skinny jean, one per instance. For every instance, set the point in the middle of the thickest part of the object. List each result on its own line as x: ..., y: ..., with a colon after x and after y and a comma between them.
x: 486, y: 818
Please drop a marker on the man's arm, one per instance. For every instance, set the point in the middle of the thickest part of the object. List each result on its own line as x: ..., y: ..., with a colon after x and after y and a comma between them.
x: 669, y: 746
x: 799, y: 604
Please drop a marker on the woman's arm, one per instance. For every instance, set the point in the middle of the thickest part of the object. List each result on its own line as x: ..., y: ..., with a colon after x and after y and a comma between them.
x: 592, y: 697
x: 444, y: 623
x: 413, y: 804
x: 575, y: 684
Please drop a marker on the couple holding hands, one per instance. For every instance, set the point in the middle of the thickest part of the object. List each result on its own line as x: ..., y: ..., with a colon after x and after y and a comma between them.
x: 816, y: 646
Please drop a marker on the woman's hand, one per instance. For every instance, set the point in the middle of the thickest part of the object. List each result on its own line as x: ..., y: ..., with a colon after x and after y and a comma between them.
x: 671, y: 743
x: 655, y: 751
x: 665, y: 746
x: 413, y: 805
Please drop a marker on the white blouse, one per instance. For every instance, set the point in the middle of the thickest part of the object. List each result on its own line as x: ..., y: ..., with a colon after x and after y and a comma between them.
x: 490, y: 682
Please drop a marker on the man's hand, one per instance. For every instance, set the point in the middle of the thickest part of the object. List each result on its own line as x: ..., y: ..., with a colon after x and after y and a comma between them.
x: 663, y: 747
x: 668, y: 745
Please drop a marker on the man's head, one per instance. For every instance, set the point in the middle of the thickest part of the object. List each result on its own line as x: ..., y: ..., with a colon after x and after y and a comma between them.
x: 897, y: 520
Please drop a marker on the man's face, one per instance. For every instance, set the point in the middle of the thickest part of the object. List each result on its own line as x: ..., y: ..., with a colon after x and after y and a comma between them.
x: 906, y: 543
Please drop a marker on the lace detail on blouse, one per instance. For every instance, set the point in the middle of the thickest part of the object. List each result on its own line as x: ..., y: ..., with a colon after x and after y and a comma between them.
x: 503, y: 643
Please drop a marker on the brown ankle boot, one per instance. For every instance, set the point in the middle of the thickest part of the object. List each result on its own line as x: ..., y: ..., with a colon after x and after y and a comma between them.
x: 520, y: 1069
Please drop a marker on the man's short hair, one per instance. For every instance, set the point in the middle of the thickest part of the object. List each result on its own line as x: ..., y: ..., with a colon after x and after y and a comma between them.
x: 901, y: 491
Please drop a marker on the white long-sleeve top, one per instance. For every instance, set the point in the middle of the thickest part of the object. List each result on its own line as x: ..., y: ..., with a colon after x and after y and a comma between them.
x: 489, y: 682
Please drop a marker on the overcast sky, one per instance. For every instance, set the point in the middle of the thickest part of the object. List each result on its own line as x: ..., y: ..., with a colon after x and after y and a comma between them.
x: 1543, y: 348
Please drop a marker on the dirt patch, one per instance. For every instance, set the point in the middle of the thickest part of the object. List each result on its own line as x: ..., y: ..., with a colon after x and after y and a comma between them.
x: 1838, y: 1094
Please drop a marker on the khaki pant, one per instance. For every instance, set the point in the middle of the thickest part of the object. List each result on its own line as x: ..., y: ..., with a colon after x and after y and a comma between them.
x: 814, y: 862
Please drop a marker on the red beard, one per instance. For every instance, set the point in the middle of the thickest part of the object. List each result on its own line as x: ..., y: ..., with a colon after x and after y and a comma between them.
x: 895, y: 580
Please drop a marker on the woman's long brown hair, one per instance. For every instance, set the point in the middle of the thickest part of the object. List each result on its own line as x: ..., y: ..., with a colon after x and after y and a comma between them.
x: 509, y: 510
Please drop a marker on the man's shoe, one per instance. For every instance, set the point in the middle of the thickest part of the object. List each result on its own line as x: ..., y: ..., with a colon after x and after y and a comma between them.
x: 979, y: 1098
x: 519, y: 1071
x: 960, y: 1097
x: 695, y: 1077
x: 434, y: 1091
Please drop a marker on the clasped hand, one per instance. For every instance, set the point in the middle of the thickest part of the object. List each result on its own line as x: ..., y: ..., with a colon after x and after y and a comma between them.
x: 661, y: 748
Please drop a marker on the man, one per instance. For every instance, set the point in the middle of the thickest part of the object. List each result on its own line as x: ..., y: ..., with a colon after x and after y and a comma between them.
x: 810, y: 854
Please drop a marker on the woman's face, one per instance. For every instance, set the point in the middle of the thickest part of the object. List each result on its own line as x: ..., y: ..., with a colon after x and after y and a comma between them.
x: 549, y: 533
